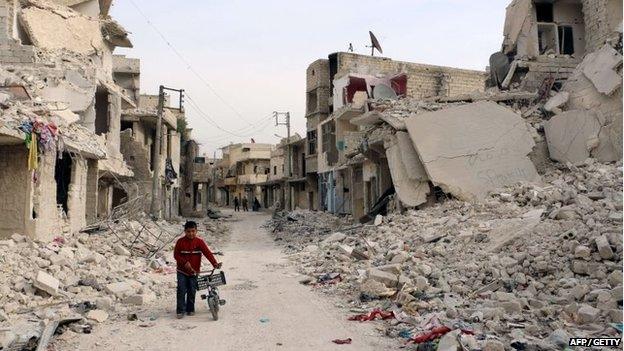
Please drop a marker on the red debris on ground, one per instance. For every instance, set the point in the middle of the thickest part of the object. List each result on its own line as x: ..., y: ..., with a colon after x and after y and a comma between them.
x: 430, y: 335
x: 372, y: 315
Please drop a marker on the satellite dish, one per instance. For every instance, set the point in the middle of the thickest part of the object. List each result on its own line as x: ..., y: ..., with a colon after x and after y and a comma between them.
x: 374, y: 44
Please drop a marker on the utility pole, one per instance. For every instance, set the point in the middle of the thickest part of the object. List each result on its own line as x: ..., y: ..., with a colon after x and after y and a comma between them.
x: 155, y: 205
x: 289, y: 159
x: 214, y: 177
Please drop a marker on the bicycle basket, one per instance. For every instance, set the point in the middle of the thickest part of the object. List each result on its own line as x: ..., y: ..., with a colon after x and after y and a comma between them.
x: 213, y: 280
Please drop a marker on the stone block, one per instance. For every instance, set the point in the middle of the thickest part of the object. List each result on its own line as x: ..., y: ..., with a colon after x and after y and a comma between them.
x: 47, y: 283
x: 386, y: 278
x: 118, y: 289
x: 97, y: 315
x: 587, y: 314
x: 604, y: 248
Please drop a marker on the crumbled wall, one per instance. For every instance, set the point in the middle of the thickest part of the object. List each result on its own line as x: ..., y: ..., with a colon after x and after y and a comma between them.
x: 77, y: 201
x: 49, y: 30
x: 92, y: 191
x: 423, y: 80
x: 15, y: 184
x: 602, y: 18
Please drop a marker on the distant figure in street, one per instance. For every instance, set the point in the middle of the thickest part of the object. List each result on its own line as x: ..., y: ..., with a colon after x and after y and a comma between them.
x: 236, y: 204
x: 245, y: 207
x: 188, y: 253
x: 256, y: 204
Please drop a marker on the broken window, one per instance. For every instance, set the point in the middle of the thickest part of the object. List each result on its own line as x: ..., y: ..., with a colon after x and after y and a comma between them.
x: 311, y: 142
x: 274, y: 170
x: 62, y: 177
x: 126, y: 125
x: 329, y: 142
x: 566, y: 40
x: 255, y: 169
x: 547, y: 37
x: 200, y: 160
x: 333, y: 69
x: 544, y: 12
x: 303, y: 165
x: 101, y: 112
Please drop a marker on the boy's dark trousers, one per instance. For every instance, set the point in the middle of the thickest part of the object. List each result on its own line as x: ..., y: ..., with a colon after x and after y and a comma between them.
x: 187, y: 286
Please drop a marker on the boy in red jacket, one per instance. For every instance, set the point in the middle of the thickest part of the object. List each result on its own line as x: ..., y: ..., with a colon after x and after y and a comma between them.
x: 188, y: 253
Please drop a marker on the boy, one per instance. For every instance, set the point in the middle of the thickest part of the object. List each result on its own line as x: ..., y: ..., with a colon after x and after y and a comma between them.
x: 188, y: 253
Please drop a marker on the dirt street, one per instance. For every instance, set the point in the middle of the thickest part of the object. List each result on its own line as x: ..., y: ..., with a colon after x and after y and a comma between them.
x: 267, y: 309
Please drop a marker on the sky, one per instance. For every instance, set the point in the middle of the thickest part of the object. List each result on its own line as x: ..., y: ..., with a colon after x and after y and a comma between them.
x: 239, y: 61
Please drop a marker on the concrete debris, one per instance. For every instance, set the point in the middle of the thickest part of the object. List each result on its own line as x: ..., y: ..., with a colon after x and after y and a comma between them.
x: 600, y: 68
x: 47, y: 283
x: 411, y: 192
x: 572, y: 136
x: 478, y: 147
x: 49, y: 29
x: 554, y: 103
x: 97, y: 315
x: 526, y: 260
x: 88, y: 274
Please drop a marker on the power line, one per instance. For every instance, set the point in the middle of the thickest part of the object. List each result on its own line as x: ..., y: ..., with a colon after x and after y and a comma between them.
x: 186, y: 62
x: 207, y: 117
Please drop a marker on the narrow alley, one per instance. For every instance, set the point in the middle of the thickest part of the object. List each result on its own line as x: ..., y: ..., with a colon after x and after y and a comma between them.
x: 266, y: 309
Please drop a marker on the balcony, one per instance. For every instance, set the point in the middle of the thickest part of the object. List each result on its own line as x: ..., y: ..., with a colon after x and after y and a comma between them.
x: 311, y: 163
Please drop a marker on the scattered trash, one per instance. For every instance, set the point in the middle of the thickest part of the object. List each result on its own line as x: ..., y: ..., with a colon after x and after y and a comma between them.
x: 430, y: 335
x: 406, y: 333
x: 264, y: 320
x: 374, y: 314
x: 342, y: 341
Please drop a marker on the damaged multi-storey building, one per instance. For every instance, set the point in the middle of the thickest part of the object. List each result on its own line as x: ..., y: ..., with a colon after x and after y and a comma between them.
x: 196, y: 175
x: 59, y: 99
x: 140, y: 150
x: 287, y: 188
x: 241, y: 171
x: 573, y: 48
x: 555, y: 105
x: 337, y: 91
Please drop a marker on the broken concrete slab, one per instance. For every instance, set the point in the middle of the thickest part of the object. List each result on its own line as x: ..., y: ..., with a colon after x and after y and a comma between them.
x: 572, y: 135
x: 604, y: 248
x: 334, y: 238
x: 557, y: 101
x: 97, y: 315
x: 411, y: 162
x: 472, y: 149
x: 49, y: 30
x: 388, y: 279
x: 505, y: 231
x: 393, y: 121
x: 608, y: 109
x: 411, y: 192
x: 47, y: 283
x: 118, y: 289
x: 600, y: 68
x: 367, y: 119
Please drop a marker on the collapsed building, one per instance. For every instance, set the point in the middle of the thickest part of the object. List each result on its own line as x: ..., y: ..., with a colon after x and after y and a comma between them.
x: 59, y: 97
x: 140, y: 150
x: 337, y: 91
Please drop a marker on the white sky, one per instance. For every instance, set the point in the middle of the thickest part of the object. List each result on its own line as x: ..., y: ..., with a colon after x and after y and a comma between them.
x: 254, y: 54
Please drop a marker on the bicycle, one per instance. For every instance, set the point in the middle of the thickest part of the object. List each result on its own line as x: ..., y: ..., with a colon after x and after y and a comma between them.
x: 210, y: 282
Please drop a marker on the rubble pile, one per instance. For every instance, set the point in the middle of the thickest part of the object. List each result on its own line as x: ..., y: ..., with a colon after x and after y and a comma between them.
x: 527, y: 264
x: 88, y: 278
